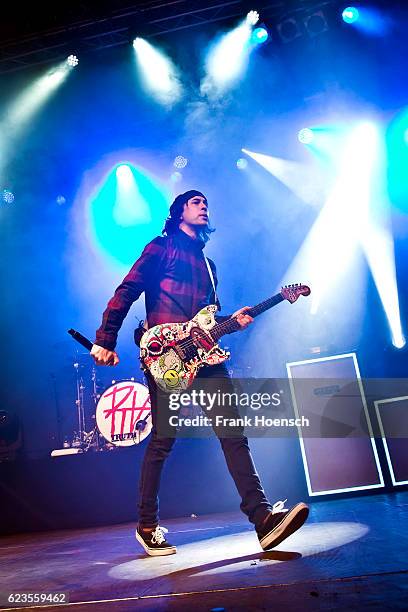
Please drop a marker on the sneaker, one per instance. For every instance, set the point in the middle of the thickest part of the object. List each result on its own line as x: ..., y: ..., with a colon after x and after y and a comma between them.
x: 154, y: 542
x: 281, y: 523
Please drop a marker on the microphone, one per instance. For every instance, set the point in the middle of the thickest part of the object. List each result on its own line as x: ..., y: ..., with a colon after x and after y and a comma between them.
x: 81, y: 339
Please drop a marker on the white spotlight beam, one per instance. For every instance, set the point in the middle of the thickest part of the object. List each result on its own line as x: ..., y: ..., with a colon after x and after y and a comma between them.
x: 130, y: 206
x: 31, y: 99
x: 331, y: 244
x: 160, y: 75
x: 353, y: 216
x: 24, y: 107
x: 375, y: 233
x: 379, y: 249
x: 227, y: 59
x: 305, y: 181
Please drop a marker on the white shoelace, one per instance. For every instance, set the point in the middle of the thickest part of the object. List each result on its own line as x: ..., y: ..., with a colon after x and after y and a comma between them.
x: 158, y: 535
x: 279, y: 506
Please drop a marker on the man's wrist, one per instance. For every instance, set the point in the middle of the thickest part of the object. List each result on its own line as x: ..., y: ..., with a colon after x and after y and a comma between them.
x: 109, y: 345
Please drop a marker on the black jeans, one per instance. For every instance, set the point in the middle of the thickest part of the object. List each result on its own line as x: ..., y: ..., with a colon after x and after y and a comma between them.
x: 236, y: 451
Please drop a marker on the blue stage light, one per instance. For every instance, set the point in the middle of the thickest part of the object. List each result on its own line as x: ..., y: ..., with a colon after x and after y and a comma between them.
x: 350, y: 14
x: 124, y: 173
x: 242, y: 163
x: 259, y: 35
x: 176, y: 177
x: 8, y: 196
x: 305, y: 136
x: 123, y: 214
x: 180, y: 161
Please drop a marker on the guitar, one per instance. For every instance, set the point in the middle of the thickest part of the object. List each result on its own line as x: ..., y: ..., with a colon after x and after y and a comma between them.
x: 173, y: 353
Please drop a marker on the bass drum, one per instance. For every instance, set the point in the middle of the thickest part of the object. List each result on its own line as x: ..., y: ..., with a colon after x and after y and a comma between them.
x: 123, y: 414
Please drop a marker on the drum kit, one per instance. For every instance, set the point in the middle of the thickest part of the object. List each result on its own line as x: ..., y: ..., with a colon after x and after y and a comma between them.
x: 108, y: 416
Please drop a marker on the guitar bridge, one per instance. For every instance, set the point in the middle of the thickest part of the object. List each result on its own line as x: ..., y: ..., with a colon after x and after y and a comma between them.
x: 187, y: 352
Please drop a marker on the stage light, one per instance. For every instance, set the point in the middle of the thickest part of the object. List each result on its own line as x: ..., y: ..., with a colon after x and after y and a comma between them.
x: 242, y: 163
x: 130, y: 207
x: 259, y: 35
x: 60, y: 200
x: 288, y: 30
x: 355, y: 217
x: 227, y: 59
x: 297, y: 177
x: 305, y: 136
x: 176, y: 177
x: 375, y: 227
x: 397, y: 160
x: 378, y: 246
x: 124, y: 173
x: 252, y: 18
x: 369, y: 19
x: 72, y: 61
x: 116, y: 218
x: 350, y: 14
x: 7, y: 196
x: 399, y: 341
x: 160, y: 75
x: 316, y: 24
x: 342, y: 223
x: 31, y: 99
x: 25, y: 105
x: 180, y: 161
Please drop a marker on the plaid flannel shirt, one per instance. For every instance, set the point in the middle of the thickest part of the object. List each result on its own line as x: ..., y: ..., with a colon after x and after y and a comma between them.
x: 174, y: 277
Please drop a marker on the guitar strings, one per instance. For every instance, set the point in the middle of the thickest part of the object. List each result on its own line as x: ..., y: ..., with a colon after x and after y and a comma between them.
x: 188, y: 342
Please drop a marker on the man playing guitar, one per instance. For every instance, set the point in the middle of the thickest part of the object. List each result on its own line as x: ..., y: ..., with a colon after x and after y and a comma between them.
x: 178, y: 282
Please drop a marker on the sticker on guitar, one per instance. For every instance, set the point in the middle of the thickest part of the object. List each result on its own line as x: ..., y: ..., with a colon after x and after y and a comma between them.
x: 174, y: 352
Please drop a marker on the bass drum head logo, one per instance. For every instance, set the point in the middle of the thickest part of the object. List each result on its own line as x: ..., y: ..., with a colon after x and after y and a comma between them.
x: 123, y: 414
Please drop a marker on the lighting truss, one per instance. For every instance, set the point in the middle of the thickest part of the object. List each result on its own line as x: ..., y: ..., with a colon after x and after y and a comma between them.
x: 149, y: 19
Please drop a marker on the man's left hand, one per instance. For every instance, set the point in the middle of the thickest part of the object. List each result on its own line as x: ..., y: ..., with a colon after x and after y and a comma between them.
x: 243, y: 319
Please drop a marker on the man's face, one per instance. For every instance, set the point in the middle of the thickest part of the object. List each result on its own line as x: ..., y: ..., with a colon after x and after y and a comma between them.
x: 196, y: 211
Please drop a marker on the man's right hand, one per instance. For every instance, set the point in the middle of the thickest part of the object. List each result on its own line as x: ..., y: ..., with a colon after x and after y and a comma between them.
x: 103, y: 356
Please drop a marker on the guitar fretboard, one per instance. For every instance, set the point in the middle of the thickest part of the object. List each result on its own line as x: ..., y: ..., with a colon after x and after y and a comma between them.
x: 231, y: 325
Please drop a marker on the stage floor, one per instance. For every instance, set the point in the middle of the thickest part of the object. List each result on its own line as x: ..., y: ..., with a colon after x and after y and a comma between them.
x: 351, y: 554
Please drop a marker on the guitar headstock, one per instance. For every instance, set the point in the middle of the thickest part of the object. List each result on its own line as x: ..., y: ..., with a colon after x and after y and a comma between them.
x: 292, y: 292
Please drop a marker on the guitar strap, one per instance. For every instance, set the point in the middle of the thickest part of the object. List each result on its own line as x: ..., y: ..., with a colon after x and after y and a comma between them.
x: 210, y: 272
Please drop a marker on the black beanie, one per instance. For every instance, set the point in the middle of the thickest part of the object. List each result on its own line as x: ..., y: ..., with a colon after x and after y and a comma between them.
x: 177, y: 206
x: 176, y: 210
